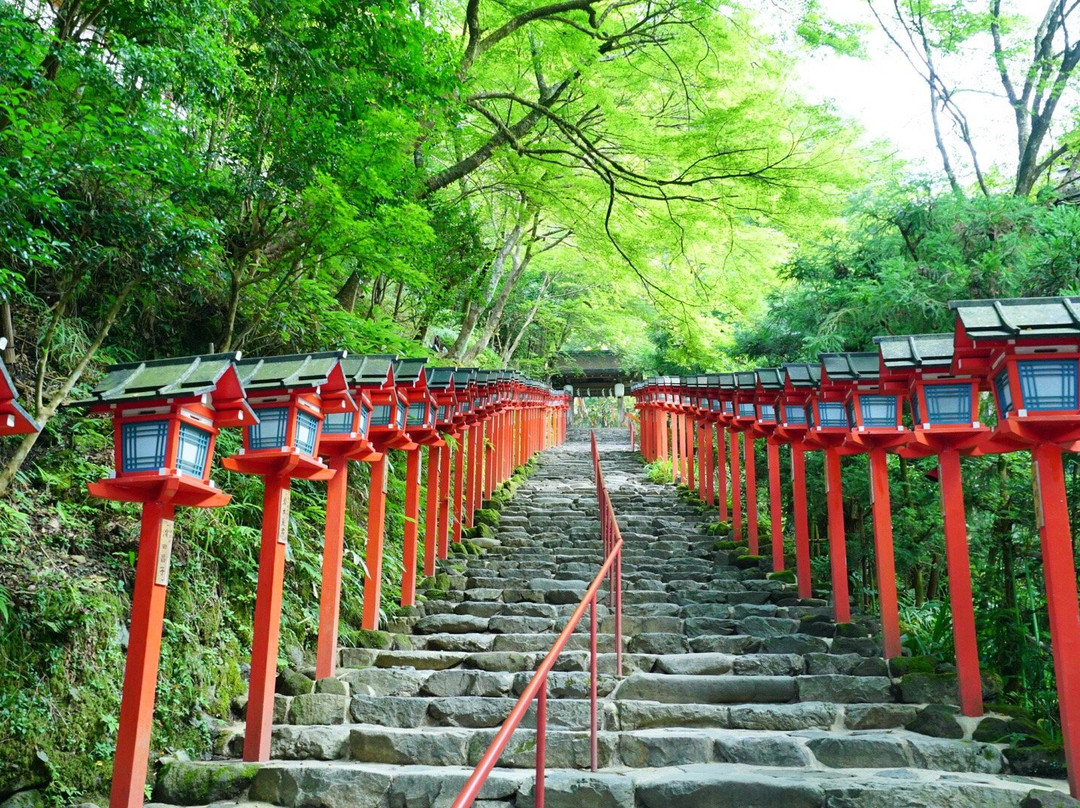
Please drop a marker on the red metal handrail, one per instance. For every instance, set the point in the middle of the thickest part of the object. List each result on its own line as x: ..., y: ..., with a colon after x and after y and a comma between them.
x: 537, y: 687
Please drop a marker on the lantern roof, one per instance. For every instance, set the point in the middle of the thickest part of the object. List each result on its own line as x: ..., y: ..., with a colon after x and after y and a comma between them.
x: 1019, y: 318
x: 463, y: 377
x: 372, y: 370
x: 293, y: 371
x: 746, y: 380
x: 851, y: 367
x: 916, y: 351
x: 185, y: 376
x: 726, y: 381
x: 410, y: 371
x: 802, y: 374
x: 440, y: 378
x: 770, y: 378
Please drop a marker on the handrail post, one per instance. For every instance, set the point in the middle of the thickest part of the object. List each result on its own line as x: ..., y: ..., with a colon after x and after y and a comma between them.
x: 541, y: 743
x: 618, y: 612
x: 593, y: 735
x: 611, y: 568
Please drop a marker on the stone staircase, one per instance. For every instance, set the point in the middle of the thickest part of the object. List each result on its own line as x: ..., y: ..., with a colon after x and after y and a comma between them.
x: 735, y: 692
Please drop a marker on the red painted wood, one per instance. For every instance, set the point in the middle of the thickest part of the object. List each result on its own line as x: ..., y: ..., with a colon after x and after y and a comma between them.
x: 458, y: 499
x: 1059, y: 570
x: 776, y: 525
x: 960, y: 594
x: 475, y: 463
x: 837, y: 538
x: 689, y: 428
x: 884, y: 557
x: 376, y: 530
x: 676, y: 447
x: 489, y: 457
x: 141, y: 666
x: 662, y: 435
x: 802, y: 525
x: 750, y: 473
x: 709, y: 463
x: 444, y: 526
x: 410, y: 546
x: 264, y: 645
x: 736, y: 489
x: 333, y: 550
x: 722, y: 472
x: 431, y: 510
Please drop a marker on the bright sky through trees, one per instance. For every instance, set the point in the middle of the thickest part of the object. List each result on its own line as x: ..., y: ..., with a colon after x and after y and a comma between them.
x: 883, y: 92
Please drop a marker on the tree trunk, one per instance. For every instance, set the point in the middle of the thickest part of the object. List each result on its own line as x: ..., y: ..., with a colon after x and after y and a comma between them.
x: 495, y: 312
x: 474, y: 309
x: 49, y: 410
x: 509, y: 354
x: 468, y: 324
x: 349, y: 293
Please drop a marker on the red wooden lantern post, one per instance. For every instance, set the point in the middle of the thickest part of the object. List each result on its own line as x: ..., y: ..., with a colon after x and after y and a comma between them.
x: 1029, y: 349
x: 643, y: 393
x: 829, y: 431
x: 465, y: 385
x: 644, y: 398
x: 654, y: 396
x: 743, y: 423
x: 686, y: 430
x: 387, y: 432
x: 166, y: 414
x: 668, y: 407
x: 875, y: 414
x: 722, y: 409
x: 289, y: 394
x: 436, y: 530
x: 727, y: 399
x: 420, y: 417
x: 945, y: 418
x: 699, y: 411
x: 711, y: 420
x: 475, y: 458
x: 663, y: 406
x: 793, y: 407
x: 344, y: 437
x: 769, y: 386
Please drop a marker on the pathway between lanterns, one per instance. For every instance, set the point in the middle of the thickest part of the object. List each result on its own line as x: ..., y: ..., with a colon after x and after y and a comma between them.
x: 736, y: 693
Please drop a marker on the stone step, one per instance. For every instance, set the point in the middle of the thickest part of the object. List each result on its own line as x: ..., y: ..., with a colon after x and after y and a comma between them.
x: 569, y: 713
x: 735, y: 692
x: 741, y: 663
x: 459, y: 745
x: 708, y: 689
x: 346, y: 784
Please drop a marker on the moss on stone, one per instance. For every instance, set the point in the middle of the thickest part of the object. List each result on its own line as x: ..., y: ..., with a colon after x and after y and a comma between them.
x: 784, y: 576
x: 486, y: 516
x: 901, y: 666
x: 191, y: 783
x: 745, y: 562
x: 370, y: 638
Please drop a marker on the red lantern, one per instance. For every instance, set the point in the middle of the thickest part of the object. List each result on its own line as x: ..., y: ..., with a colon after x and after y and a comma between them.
x: 290, y: 395
x: 946, y: 423
x: 1029, y: 351
x: 166, y: 415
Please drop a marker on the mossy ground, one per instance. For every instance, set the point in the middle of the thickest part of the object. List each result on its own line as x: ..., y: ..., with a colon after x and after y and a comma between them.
x: 66, y: 572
